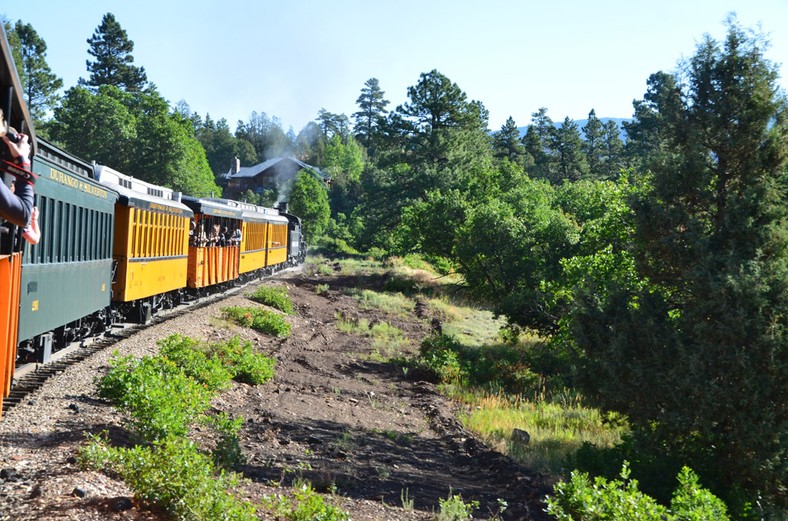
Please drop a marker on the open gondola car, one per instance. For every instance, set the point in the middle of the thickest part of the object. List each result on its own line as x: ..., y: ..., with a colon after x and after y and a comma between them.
x: 213, y: 254
x: 151, y: 247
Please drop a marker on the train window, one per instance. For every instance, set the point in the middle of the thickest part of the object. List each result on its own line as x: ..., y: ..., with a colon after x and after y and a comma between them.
x: 90, y: 254
x: 278, y: 235
x: 146, y: 227
x: 133, y: 214
x: 144, y: 234
x: 65, y: 224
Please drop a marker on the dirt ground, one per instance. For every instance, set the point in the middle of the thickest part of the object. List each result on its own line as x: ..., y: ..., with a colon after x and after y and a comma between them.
x: 337, y: 414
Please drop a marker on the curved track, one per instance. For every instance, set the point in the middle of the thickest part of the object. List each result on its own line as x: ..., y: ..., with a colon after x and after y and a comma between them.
x: 28, y: 378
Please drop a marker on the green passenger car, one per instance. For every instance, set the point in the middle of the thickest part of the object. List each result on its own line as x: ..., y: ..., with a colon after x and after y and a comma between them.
x: 66, y: 277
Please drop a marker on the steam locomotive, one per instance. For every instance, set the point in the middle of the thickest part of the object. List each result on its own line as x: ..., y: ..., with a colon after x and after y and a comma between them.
x: 114, y: 248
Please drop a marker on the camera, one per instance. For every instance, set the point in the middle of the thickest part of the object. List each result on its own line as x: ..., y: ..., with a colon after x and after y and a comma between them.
x: 13, y: 136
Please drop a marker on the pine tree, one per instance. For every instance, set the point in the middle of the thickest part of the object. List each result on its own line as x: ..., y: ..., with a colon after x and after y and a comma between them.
x: 567, y: 147
x: 372, y: 112
x: 40, y: 85
x: 508, y: 144
x: 698, y: 356
x: 113, y: 65
x: 537, y: 144
x: 612, y: 151
x: 592, y: 144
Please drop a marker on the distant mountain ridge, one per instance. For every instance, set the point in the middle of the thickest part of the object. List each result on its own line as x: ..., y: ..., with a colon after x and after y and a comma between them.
x: 583, y: 122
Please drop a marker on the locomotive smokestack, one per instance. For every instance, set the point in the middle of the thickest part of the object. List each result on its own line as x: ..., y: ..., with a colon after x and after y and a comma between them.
x: 282, y: 207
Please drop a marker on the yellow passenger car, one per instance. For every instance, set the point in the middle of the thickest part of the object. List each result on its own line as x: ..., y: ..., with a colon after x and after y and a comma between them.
x: 264, y: 235
x: 151, y: 248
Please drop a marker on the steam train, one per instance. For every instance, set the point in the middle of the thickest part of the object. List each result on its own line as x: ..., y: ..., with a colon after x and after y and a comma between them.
x: 114, y: 248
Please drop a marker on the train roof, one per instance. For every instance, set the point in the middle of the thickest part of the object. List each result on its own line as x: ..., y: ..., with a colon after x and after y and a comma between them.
x: 213, y: 207
x: 262, y: 214
x: 140, y: 194
x: 63, y: 160
x: 248, y: 211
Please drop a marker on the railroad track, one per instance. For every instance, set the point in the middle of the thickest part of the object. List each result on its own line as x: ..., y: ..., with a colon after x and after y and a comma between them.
x: 29, y: 378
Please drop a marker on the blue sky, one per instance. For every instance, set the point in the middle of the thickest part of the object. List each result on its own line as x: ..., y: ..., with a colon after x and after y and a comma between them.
x: 291, y: 58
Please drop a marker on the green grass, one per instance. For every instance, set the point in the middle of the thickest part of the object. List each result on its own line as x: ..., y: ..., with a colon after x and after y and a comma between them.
x: 275, y: 297
x: 387, y: 340
x: 468, y: 324
x: 259, y: 319
x: 394, y: 303
x: 556, y: 431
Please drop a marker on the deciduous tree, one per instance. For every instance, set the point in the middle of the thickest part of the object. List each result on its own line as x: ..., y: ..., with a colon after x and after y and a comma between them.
x: 309, y: 200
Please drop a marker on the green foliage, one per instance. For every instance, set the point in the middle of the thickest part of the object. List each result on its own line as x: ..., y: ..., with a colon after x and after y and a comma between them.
x: 453, y: 508
x: 113, y: 65
x: 158, y: 396
x: 580, y: 498
x: 174, y: 474
x: 259, y: 319
x: 246, y: 365
x: 39, y: 84
x: 275, y: 297
x: 136, y: 134
x: 439, y: 354
x: 532, y: 369
x: 309, y: 200
x: 197, y: 361
x: 306, y: 505
x: 227, y: 453
x: 694, y: 351
x: 371, y: 114
x: 264, y: 135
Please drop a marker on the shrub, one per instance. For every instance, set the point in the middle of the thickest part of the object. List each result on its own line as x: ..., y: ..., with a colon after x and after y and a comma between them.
x: 454, y: 508
x: 260, y: 320
x: 307, y: 506
x: 581, y: 498
x: 276, y: 298
x: 227, y: 453
x: 194, y: 359
x: 245, y: 365
x: 175, y: 475
x: 439, y: 354
x: 160, y: 399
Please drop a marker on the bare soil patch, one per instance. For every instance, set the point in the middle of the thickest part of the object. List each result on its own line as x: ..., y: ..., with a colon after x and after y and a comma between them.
x: 338, y: 413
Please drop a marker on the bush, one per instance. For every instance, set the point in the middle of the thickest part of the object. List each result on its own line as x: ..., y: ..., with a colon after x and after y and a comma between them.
x: 172, y: 473
x: 260, y: 320
x: 274, y: 297
x: 194, y: 359
x: 439, y: 355
x: 307, y: 506
x: 581, y: 498
x: 241, y: 360
x: 227, y: 453
x: 160, y: 398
